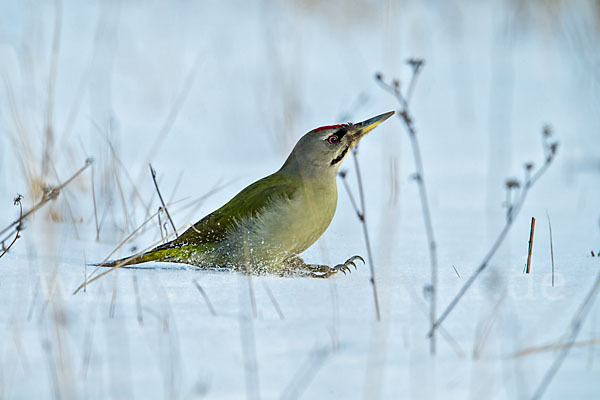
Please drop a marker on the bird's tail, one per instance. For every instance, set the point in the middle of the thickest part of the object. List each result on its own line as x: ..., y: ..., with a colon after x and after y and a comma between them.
x: 152, y: 255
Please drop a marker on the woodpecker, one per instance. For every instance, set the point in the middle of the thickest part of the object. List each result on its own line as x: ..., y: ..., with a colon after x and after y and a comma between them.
x: 265, y: 227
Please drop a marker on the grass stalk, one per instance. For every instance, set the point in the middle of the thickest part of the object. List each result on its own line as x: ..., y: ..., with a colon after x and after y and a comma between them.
x: 551, y: 245
x: 405, y: 116
x: 153, y: 172
x: 205, y: 297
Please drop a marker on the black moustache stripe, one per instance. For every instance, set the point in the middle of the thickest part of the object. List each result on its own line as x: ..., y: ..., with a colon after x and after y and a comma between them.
x: 340, y: 157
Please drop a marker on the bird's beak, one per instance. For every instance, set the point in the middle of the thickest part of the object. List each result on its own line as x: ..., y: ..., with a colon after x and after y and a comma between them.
x: 362, y: 128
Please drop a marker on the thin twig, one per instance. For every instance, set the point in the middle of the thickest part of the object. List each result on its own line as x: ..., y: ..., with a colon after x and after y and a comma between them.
x: 513, y: 211
x: 273, y: 300
x: 118, y: 265
x: 305, y: 373
x: 153, y: 172
x: 360, y: 213
x: 138, y: 301
x: 531, y: 231
x: 485, y: 329
x: 250, y: 283
x: 206, y: 299
x: 49, y: 139
x: 552, y: 347
x: 455, y: 270
x: 47, y: 196
x: 574, y: 329
x: 116, y: 157
x: 125, y: 241
x: 248, y: 342
x: 84, y: 270
x: 17, y: 201
x: 128, y: 223
x: 72, y: 217
x: 177, y: 106
x: 113, y: 300
x: 405, y: 116
x: 95, y: 208
x: 551, y: 246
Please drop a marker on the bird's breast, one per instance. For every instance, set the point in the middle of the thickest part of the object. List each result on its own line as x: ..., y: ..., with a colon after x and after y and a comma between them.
x: 290, y: 226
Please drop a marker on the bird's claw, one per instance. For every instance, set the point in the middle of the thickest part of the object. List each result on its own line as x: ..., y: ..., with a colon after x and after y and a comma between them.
x: 346, y: 266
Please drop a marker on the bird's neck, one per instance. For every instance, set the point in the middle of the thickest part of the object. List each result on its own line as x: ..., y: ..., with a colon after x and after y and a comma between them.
x: 310, y: 175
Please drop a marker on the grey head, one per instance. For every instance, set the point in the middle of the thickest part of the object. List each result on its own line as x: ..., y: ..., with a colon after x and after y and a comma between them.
x: 321, y: 151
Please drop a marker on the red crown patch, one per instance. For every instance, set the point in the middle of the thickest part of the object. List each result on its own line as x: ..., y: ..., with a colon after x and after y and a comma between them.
x: 322, y: 128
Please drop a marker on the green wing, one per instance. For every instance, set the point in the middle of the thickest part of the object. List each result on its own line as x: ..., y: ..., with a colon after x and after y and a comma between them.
x: 246, y: 204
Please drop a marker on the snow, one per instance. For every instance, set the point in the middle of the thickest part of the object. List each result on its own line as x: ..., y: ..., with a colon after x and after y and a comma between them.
x: 263, y: 73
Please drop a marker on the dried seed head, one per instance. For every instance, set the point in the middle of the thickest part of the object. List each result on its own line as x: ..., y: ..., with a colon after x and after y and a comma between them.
x: 529, y: 166
x: 415, y: 63
x: 396, y: 83
x: 379, y: 76
x: 512, y: 183
x: 342, y: 173
x: 547, y: 131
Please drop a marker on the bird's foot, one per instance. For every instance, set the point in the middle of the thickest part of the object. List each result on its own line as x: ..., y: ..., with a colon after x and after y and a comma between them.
x: 345, y: 267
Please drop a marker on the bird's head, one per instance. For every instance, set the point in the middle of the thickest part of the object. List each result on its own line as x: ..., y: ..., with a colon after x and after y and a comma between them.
x: 323, y: 149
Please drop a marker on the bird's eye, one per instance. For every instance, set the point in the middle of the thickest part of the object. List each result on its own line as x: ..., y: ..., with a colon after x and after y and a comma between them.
x: 333, y: 139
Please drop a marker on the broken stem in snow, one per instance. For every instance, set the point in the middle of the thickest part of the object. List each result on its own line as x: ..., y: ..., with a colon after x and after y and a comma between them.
x: 419, y: 176
x: 529, y: 251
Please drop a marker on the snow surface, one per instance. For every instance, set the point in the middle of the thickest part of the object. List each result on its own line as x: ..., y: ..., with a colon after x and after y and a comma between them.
x: 263, y: 74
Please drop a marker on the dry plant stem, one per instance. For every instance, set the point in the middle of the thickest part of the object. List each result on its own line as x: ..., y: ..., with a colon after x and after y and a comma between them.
x: 250, y: 284
x: 455, y: 270
x: 305, y: 374
x: 248, y: 341
x: 418, y: 300
x: 50, y: 195
x: 128, y: 223
x: 95, y: 208
x: 84, y: 270
x: 153, y: 172
x: 17, y: 229
x: 138, y: 301
x: 528, y: 269
x: 512, y: 214
x: 113, y: 300
x: 551, y: 246
x: 405, y: 116
x: 49, y: 139
x: 116, y: 157
x: 68, y: 204
x: 361, y: 216
x: 554, y: 346
x: 486, y: 328
x: 572, y: 335
x: 177, y: 106
x: 205, y: 297
x: 119, y: 265
x: 273, y: 300
x: 125, y: 240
